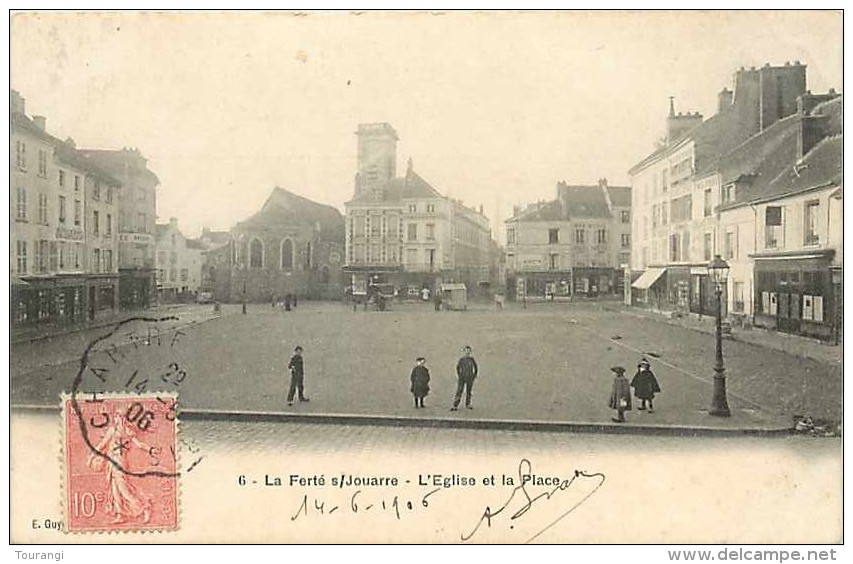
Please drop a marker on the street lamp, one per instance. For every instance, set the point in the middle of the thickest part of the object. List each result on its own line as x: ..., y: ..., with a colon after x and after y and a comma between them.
x: 718, y: 270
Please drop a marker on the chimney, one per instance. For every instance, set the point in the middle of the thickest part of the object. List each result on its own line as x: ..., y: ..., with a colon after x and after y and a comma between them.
x: 677, y: 125
x: 17, y: 103
x: 40, y: 122
x: 602, y: 183
x: 70, y: 142
x: 812, y: 130
x: 481, y: 209
x: 724, y: 100
x: 779, y: 89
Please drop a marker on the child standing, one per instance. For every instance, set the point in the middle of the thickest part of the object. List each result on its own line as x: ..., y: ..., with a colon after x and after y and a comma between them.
x: 620, y: 395
x: 420, y: 381
x: 297, y: 376
x: 645, y: 385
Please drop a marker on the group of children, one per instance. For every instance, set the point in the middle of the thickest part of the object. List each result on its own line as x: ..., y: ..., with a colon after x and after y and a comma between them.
x: 644, y: 382
x: 466, y: 371
x: 645, y: 387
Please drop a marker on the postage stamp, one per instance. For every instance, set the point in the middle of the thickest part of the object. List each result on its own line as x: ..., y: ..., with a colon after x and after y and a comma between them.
x: 121, y: 467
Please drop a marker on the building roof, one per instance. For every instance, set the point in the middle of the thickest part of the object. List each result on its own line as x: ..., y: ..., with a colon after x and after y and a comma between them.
x: 69, y: 155
x: 834, y: 111
x: 196, y: 244
x: 578, y: 201
x: 583, y: 201
x: 283, y: 207
x: 65, y: 152
x: 769, y: 164
x: 216, y: 237
x: 715, y: 136
x: 762, y: 153
x: 822, y: 166
x: 620, y: 196
x: 161, y: 229
x: 120, y: 161
x: 410, y: 186
x: 547, y: 211
x: 18, y: 119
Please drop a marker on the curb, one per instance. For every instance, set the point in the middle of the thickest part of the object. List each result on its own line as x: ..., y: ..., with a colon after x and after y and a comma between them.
x: 80, y: 329
x: 729, y: 337
x: 446, y: 423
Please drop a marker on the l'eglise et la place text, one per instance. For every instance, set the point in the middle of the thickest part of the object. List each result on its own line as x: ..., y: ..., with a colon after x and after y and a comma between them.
x: 24, y: 555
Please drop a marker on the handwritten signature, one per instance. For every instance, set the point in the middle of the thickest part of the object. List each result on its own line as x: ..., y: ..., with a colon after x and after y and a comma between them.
x: 522, y: 495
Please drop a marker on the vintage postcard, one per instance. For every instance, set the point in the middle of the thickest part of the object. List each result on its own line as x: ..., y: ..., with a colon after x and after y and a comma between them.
x: 387, y: 277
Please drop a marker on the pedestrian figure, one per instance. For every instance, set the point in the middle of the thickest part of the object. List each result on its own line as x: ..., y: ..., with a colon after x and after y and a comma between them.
x: 645, y: 385
x: 437, y: 300
x: 287, y: 302
x: 297, y: 375
x: 620, y: 395
x: 420, y: 381
x: 425, y: 294
x: 294, y: 301
x: 466, y: 371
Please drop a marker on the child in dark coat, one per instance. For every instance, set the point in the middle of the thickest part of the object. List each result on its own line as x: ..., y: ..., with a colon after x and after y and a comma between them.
x: 420, y: 381
x: 620, y: 395
x: 645, y: 385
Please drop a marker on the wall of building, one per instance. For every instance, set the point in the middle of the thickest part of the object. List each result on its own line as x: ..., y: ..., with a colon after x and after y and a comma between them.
x: 314, y: 271
x: 63, y: 269
x: 738, y: 225
x: 178, y: 265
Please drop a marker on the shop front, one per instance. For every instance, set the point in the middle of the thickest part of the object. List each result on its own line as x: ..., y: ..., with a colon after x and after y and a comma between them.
x: 137, y: 288
x: 797, y: 293
x: 648, y: 289
x: 62, y: 299
x: 548, y: 286
x: 597, y: 281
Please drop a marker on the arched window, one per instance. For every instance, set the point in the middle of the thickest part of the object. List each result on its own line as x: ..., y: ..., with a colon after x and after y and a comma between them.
x: 212, y: 273
x: 256, y: 254
x: 287, y: 254
x: 324, y: 275
x: 308, y: 256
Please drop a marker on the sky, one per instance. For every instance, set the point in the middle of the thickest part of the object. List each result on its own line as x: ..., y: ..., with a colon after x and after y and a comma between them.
x: 493, y: 108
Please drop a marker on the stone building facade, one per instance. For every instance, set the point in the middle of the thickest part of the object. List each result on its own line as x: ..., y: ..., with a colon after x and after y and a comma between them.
x: 179, y: 263
x: 291, y: 246
x: 402, y: 231
x: 63, y: 249
x: 575, y: 245
x: 137, y: 215
x: 770, y: 145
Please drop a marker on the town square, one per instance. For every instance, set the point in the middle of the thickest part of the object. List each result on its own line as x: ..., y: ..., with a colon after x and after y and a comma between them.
x: 448, y: 267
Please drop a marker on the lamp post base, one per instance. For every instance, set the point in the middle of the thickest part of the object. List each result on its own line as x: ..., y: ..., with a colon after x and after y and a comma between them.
x: 719, y: 403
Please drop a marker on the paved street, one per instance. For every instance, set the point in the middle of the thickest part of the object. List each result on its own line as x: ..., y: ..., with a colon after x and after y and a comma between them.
x: 784, y: 489
x: 549, y: 362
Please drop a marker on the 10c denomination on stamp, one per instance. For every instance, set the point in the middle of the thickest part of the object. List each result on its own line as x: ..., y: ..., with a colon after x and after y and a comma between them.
x: 121, y: 468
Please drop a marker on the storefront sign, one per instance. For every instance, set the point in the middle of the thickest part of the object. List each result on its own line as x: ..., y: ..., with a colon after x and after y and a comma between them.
x: 134, y: 238
x: 72, y: 233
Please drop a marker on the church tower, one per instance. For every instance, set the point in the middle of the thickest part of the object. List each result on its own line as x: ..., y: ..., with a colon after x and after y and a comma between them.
x: 377, y: 158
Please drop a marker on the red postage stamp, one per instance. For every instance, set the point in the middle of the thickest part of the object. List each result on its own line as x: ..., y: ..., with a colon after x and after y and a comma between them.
x: 121, y: 467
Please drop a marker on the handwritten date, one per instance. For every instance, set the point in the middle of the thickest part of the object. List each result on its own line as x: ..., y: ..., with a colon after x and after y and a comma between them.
x: 360, y: 503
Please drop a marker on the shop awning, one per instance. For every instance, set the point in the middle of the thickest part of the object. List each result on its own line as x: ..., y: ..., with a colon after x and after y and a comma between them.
x: 648, y: 278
